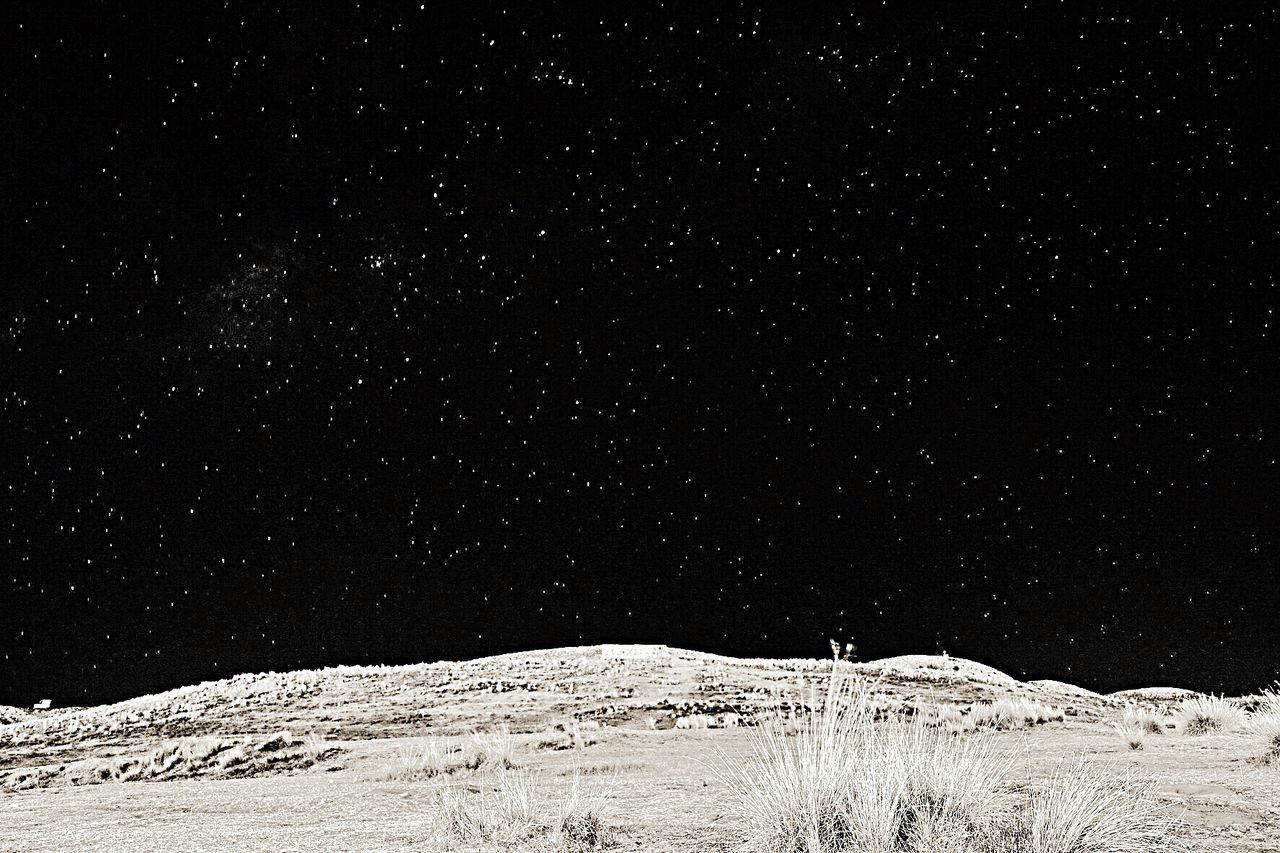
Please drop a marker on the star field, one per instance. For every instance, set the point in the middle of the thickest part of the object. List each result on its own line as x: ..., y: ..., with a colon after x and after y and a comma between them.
x: 423, y: 333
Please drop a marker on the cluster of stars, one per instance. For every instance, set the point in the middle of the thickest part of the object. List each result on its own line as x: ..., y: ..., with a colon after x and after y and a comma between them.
x: 429, y: 332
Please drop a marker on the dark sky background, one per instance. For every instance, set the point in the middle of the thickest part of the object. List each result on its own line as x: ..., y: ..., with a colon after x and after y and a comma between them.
x: 412, y: 333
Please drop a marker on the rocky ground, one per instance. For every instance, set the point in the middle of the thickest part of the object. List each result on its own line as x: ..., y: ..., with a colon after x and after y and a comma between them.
x: 340, y: 759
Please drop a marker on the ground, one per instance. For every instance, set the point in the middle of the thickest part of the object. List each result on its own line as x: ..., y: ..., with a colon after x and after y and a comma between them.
x: 60, y: 771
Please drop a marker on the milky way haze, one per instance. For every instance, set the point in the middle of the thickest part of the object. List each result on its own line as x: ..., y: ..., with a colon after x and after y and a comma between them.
x: 428, y: 333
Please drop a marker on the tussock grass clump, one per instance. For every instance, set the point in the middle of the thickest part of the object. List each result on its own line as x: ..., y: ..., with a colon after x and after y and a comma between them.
x: 1270, y: 701
x: 943, y: 715
x: 176, y: 758
x: 582, y: 817
x: 316, y: 748
x: 164, y: 758
x: 1133, y: 734
x: 570, y: 735
x: 234, y: 757
x: 1013, y: 713
x: 845, y: 782
x: 202, y: 750
x: 948, y: 716
x: 127, y: 769
x: 841, y: 782
x: 416, y: 762
x: 1081, y: 810
x: 1201, y: 715
x: 515, y: 813
x: 1149, y: 721
x: 277, y: 741
x: 429, y: 758
x: 610, y: 769
x: 1265, y: 725
x: 507, y: 814
x: 495, y: 749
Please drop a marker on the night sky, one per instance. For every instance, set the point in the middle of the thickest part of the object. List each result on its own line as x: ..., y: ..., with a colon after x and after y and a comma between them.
x: 414, y: 333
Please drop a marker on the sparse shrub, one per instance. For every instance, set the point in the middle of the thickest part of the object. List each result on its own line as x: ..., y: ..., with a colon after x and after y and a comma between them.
x: 1201, y: 715
x: 1133, y: 734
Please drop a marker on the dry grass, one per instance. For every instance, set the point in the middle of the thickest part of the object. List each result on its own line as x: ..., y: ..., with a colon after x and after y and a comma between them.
x: 1080, y: 810
x: 948, y: 716
x: 570, y: 735
x: 508, y: 814
x: 176, y: 758
x: 1149, y: 721
x: 1265, y: 725
x: 516, y: 814
x: 611, y: 769
x: 164, y: 758
x: 425, y: 759
x: 1133, y: 734
x: 315, y: 747
x: 583, y: 818
x: 1013, y: 713
x: 844, y: 782
x: 493, y: 749
x: 428, y: 758
x: 1271, y: 700
x: 1202, y: 715
x: 201, y: 750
